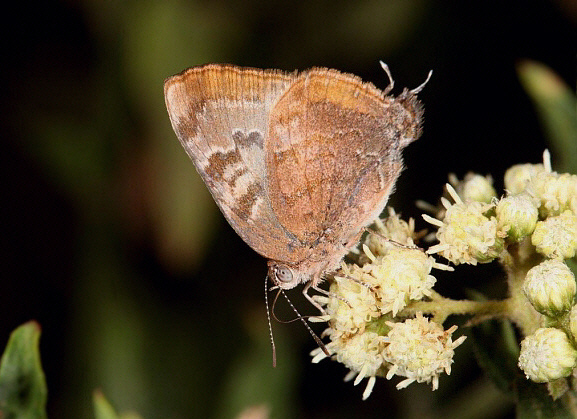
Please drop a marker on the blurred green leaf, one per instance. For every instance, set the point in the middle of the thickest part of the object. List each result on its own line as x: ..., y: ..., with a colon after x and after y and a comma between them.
x: 557, y: 108
x: 22, y: 385
x: 104, y: 410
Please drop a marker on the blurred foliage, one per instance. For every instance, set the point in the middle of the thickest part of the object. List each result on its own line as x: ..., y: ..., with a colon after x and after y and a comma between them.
x: 104, y: 410
x: 22, y: 383
x: 556, y: 105
x: 497, y: 351
x: 23, y: 390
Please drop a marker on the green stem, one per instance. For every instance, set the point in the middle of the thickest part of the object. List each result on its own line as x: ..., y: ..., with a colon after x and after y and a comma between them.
x: 515, y: 308
x: 517, y: 261
x: 442, y: 307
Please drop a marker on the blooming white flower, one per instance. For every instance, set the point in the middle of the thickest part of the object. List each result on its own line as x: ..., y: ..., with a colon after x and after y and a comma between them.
x: 550, y: 287
x: 556, y: 191
x: 351, y: 302
x: 401, y: 275
x: 361, y: 353
x: 419, y: 350
x: 467, y: 234
x: 519, y: 176
x: 547, y: 355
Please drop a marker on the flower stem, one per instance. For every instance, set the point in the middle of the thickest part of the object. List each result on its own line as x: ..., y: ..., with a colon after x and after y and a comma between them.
x: 441, y: 308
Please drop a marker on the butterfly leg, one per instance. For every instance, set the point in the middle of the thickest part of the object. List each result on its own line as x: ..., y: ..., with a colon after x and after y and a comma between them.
x: 332, y: 295
x: 309, y: 297
x: 362, y: 284
x: 393, y: 242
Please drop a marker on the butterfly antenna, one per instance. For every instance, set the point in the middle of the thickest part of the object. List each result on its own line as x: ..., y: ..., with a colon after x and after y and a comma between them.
x: 318, y: 341
x: 389, y: 75
x: 422, y: 85
x: 269, y: 322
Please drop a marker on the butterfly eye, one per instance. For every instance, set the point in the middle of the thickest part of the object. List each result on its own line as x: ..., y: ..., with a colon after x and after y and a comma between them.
x: 283, y: 274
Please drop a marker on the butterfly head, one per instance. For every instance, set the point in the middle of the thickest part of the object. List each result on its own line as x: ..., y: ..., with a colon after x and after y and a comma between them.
x: 282, y: 275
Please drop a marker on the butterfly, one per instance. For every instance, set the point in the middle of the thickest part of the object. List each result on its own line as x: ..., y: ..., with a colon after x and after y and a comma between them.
x: 299, y: 163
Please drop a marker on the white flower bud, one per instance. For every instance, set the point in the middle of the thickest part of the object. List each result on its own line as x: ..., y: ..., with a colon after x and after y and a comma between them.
x: 547, y: 355
x: 517, y: 215
x: 517, y: 177
x: 556, y: 237
x: 550, y: 287
x: 475, y: 187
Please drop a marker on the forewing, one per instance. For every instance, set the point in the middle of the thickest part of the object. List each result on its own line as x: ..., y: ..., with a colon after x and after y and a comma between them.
x: 220, y: 114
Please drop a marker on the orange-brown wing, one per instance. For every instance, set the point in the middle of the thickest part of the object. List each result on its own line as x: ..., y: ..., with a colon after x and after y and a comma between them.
x: 333, y: 153
x: 220, y: 114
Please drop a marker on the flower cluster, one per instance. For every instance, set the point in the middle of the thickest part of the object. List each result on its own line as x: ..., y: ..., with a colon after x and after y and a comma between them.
x: 369, y: 331
x: 540, y: 204
x: 550, y: 353
x: 536, y: 217
x: 385, y: 319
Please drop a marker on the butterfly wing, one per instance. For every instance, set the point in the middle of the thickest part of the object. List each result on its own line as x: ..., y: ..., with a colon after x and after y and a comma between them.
x: 333, y: 154
x: 220, y: 114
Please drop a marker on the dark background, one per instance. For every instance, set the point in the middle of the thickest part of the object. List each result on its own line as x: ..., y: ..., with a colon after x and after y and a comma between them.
x: 111, y: 242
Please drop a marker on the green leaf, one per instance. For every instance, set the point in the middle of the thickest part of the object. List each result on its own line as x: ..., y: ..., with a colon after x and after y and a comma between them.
x: 104, y: 410
x: 556, y: 105
x: 22, y: 385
